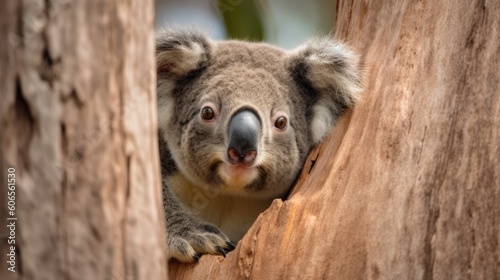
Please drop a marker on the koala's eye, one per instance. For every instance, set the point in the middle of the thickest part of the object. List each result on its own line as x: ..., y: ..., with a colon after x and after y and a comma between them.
x: 280, y: 123
x: 207, y: 113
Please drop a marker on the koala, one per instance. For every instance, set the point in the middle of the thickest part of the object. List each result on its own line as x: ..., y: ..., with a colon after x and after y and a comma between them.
x: 236, y: 121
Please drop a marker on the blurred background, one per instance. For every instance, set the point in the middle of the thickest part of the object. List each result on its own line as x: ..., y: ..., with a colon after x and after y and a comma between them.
x: 285, y: 23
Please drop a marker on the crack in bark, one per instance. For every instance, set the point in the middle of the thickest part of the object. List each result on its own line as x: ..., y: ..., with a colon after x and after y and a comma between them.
x: 473, y: 241
x: 49, y: 68
x: 65, y: 251
x: 124, y: 220
x: 24, y: 128
x: 421, y: 145
x: 410, y: 121
x: 313, y: 162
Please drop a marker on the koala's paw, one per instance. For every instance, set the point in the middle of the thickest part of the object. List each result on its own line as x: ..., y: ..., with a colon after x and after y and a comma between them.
x: 187, y: 244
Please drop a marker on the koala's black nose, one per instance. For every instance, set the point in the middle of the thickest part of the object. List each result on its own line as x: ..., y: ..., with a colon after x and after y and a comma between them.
x: 243, y: 133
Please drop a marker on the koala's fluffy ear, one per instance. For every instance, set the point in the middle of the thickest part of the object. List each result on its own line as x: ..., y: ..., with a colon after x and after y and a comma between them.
x: 178, y: 52
x: 331, y: 74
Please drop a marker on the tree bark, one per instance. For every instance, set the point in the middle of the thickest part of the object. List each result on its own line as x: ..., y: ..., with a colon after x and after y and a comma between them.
x: 408, y: 184
x: 78, y: 118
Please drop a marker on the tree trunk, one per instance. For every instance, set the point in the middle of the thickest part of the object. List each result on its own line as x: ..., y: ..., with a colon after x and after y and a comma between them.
x: 78, y: 130
x: 408, y: 184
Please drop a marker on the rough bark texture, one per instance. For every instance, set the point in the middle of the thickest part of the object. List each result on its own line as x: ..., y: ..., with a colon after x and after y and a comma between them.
x: 408, y: 185
x: 78, y: 124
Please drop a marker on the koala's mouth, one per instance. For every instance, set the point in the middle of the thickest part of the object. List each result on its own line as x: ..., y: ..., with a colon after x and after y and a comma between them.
x: 237, y: 174
x: 239, y: 170
x: 236, y: 177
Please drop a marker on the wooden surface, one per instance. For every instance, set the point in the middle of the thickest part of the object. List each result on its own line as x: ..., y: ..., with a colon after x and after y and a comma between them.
x: 78, y: 123
x: 408, y: 185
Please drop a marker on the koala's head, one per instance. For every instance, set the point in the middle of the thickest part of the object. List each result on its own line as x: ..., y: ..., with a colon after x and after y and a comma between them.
x: 241, y: 117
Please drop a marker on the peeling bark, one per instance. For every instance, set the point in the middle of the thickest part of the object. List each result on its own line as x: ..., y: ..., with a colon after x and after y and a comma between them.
x: 78, y: 118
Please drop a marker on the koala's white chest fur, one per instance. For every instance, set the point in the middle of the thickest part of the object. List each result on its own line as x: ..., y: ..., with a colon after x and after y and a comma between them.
x: 232, y: 214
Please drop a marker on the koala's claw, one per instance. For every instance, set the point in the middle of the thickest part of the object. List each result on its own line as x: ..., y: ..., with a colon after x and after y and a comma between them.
x: 221, y: 251
x: 188, y: 245
x: 231, y: 245
x: 188, y: 238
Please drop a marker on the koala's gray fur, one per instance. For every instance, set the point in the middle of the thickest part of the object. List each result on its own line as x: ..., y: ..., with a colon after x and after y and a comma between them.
x: 310, y: 87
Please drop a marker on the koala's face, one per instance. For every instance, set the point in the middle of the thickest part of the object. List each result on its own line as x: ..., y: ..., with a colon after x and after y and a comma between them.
x: 241, y: 117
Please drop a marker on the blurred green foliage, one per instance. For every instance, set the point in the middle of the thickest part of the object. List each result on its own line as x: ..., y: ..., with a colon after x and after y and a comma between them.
x: 242, y: 19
